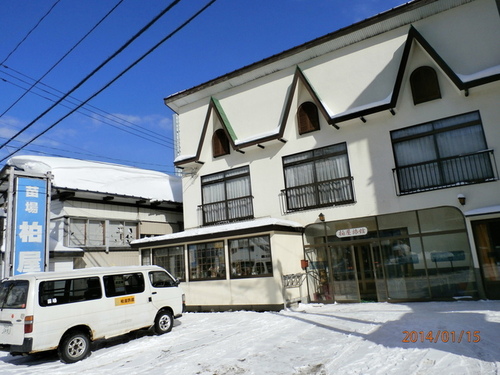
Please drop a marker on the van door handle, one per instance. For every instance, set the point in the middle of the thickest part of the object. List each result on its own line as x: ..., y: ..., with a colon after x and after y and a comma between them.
x: 154, y: 293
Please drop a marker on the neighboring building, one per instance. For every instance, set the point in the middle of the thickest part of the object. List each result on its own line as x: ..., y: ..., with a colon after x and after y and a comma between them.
x: 378, y: 142
x: 97, y: 209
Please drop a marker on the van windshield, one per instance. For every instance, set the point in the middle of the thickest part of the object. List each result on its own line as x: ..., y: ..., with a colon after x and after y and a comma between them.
x: 13, y: 294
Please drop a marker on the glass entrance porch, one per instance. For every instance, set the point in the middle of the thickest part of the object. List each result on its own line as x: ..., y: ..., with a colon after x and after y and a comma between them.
x: 417, y: 255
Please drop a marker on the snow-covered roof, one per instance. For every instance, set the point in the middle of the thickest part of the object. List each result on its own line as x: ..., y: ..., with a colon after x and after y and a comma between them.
x: 483, y: 211
x: 102, y: 177
x: 218, y: 229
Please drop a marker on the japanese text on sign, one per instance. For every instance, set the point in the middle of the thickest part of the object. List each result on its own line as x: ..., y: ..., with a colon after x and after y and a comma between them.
x: 352, y: 232
x: 31, y: 215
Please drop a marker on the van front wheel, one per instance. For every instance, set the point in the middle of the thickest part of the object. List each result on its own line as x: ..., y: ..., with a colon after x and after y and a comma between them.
x: 74, y: 347
x: 164, y: 322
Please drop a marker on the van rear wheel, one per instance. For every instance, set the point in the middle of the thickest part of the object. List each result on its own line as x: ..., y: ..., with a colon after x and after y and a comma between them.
x: 74, y: 347
x: 164, y: 322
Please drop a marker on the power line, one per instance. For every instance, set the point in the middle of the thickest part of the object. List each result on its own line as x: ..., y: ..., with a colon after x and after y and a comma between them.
x: 188, y: 21
x: 116, y: 160
x: 116, y: 53
x: 62, y: 58
x: 29, y: 32
x: 109, y: 116
x: 101, y: 118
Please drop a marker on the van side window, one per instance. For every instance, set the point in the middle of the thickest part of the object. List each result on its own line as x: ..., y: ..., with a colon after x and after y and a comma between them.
x: 161, y: 279
x: 13, y: 294
x: 120, y: 285
x: 59, y: 292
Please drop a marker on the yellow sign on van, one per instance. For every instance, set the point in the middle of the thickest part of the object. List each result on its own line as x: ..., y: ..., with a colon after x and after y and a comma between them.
x: 127, y: 300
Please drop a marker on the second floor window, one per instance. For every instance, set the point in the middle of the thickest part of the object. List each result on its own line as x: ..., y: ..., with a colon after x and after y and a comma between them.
x: 442, y: 153
x: 227, y: 196
x: 98, y: 233
x: 317, y: 178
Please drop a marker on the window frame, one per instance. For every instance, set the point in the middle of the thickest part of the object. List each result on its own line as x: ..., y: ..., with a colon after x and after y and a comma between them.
x: 179, y: 270
x: 123, y: 289
x: 253, y: 269
x: 63, y: 291
x: 106, y: 234
x: 226, y: 208
x: 215, y: 249
x: 433, y: 130
x: 317, y: 191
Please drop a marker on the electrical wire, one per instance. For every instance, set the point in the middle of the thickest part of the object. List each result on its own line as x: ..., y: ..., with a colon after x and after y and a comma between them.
x: 147, y: 53
x: 29, y: 32
x: 107, y: 115
x: 62, y: 58
x: 94, y: 155
x: 103, y: 119
x: 116, y: 53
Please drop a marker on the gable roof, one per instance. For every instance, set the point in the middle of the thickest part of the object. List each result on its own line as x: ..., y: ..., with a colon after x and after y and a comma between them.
x: 463, y: 83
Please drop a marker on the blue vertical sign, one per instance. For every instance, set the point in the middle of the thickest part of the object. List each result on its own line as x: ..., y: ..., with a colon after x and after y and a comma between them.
x: 30, y: 225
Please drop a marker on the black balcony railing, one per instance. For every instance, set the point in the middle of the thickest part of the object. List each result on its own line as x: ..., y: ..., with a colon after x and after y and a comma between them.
x: 228, y: 211
x: 446, y: 172
x: 325, y: 193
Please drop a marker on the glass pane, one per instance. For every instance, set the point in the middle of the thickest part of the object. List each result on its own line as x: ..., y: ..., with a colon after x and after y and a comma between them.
x: 95, y: 235
x: 441, y: 219
x: 146, y: 257
x: 172, y: 259
x: 207, y: 261
x: 319, y: 277
x: 115, y: 233
x: 449, y: 265
x: 250, y: 257
x: 399, y: 224
x: 344, y: 274
x: 77, y: 232
x: 314, y: 233
x: 404, y: 268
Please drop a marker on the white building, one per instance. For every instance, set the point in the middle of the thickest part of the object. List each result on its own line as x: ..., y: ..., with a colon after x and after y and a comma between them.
x: 378, y: 142
x: 97, y: 209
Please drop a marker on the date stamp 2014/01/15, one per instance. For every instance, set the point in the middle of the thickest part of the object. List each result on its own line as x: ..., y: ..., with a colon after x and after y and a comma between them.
x: 443, y: 336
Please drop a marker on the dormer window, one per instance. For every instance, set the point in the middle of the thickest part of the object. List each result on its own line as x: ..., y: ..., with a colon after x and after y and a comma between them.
x: 307, y: 117
x: 424, y: 85
x: 220, y: 143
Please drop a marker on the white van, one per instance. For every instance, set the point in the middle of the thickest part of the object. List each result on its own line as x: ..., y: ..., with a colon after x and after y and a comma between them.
x: 67, y: 310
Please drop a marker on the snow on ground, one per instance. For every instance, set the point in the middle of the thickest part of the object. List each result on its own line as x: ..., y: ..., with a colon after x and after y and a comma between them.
x: 366, y: 338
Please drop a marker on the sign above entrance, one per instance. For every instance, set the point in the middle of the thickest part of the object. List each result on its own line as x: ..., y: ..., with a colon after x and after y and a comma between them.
x: 352, y: 232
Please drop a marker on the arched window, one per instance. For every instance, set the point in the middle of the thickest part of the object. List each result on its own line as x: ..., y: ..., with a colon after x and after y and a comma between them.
x: 424, y: 85
x: 220, y: 143
x: 307, y: 117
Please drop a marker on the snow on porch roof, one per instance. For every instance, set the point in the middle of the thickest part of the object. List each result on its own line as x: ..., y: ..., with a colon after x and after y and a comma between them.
x: 104, y: 178
x: 213, y: 230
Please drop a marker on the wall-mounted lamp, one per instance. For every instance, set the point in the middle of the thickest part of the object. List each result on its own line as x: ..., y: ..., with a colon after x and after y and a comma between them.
x: 321, y: 217
x: 461, y: 199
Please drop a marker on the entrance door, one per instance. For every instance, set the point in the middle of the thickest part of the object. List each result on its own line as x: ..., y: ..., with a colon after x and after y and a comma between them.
x: 354, y: 272
x: 487, y: 238
x: 365, y: 272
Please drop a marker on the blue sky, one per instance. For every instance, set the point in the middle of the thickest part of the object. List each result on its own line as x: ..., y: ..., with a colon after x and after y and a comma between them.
x: 128, y: 122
